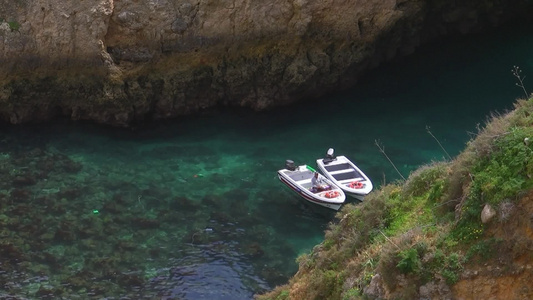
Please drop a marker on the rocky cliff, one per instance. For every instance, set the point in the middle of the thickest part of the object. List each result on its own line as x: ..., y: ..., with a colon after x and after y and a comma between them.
x: 121, y: 62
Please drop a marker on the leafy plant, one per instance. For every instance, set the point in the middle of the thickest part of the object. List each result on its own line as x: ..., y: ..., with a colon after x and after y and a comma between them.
x: 353, y: 293
x: 409, y: 261
x: 437, y: 261
x: 330, y: 283
x: 504, y: 173
x: 450, y: 276
x: 328, y: 243
x: 306, y: 261
x: 453, y: 265
x: 14, y: 25
x: 283, y: 295
x: 424, y: 178
x: 482, y: 249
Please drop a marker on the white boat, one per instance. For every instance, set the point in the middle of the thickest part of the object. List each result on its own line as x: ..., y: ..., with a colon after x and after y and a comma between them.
x: 345, y: 174
x: 298, y: 179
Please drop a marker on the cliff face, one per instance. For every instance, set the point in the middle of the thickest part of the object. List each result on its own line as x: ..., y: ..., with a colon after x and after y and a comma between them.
x: 119, y: 62
x: 507, y: 276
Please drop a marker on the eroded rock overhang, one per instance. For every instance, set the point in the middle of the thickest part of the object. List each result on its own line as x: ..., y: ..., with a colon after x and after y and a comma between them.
x: 121, y: 62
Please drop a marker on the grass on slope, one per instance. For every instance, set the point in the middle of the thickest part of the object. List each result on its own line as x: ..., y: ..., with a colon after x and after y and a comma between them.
x: 427, y: 228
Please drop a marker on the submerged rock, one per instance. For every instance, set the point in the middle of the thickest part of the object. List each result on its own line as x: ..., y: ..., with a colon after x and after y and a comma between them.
x: 24, y: 180
x: 145, y: 223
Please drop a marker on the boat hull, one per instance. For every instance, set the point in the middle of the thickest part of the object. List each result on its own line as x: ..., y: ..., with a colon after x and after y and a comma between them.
x: 347, y: 176
x: 307, y: 197
x: 334, y: 203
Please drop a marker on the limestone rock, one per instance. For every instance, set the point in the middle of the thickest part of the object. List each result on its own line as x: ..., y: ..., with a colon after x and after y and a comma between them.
x: 118, y: 62
x: 375, y: 289
x: 487, y: 214
x: 435, y: 290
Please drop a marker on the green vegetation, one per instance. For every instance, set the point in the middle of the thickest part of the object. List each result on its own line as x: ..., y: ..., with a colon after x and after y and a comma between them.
x: 409, y: 261
x: 428, y: 227
x: 13, y: 25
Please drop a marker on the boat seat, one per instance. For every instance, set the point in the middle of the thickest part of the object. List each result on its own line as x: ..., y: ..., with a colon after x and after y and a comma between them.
x: 341, y: 171
x: 305, y: 181
x: 299, y: 176
x: 336, y: 167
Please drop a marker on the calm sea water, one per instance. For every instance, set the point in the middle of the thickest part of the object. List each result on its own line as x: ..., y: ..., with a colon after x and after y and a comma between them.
x: 193, y: 209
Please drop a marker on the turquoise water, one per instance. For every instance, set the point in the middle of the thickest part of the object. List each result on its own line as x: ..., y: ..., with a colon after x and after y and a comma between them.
x: 193, y: 209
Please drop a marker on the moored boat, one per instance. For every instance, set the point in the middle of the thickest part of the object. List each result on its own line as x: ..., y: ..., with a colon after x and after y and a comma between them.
x: 345, y: 174
x: 298, y: 179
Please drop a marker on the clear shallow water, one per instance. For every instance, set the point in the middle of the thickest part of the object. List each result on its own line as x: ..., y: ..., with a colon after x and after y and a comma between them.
x: 193, y: 209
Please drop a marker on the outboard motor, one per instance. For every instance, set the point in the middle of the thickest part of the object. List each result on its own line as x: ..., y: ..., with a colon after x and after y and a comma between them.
x: 330, y: 153
x: 289, y: 165
x: 329, y: 156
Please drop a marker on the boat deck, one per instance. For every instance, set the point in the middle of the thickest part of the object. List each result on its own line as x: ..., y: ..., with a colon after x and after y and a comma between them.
x: 343, y: 172
x: 302, y: 178
x: 306, y: 183
x: 299, y: 176
x: 332, y: 168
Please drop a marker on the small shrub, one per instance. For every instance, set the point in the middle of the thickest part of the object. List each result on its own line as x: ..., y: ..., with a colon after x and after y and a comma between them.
x: 14, y: 25
x: 483, y: 250
x: 284, y: 295
x: 351, y: 294
x: 439, y: 259
x: 467, y: 230
x: 367, y: 277
x: 453, y: 262
x: 328, y: 243
x: 483, y: 145
x: 423, y: 179
x: 329, y: 283
x: 387, y: 265
x: 305, y: 261
x: 421, y: 248
x: 409, y: 261
x: 451, y: 276
x: 453, y: 265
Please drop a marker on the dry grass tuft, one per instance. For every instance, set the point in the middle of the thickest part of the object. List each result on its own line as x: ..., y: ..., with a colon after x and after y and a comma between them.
x: 497, y: 125
x: 423, y: 178
x: 459, y: 179
x: 506, y: 209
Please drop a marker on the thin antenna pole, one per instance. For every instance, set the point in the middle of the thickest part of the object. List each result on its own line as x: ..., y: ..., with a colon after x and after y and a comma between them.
x: 429, y: 131
x: 382, y: 150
